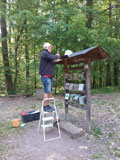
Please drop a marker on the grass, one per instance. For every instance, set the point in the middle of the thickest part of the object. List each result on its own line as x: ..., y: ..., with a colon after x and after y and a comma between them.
x: 87, y: 138
x: 106, y: 90
x: 33, y: 106
x: 97, y: 156
x: 116, y: 151
x: 110, y: 135
x: 101, y: 102
x: 117, y: 154
x: 60, y: 104
x: 103, y: 90
x: 5, y: 126
x: 6, y: 129
x: 96, y: 132
x: 2, y: 149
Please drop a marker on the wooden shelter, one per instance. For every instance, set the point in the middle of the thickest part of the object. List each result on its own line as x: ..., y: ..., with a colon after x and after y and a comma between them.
x: 81, y: 60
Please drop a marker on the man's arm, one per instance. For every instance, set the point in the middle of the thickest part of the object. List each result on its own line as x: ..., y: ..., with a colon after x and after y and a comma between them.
x: 49, y: 56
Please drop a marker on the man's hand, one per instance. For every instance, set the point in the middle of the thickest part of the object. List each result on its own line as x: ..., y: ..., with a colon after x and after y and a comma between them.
x: 58, y: 54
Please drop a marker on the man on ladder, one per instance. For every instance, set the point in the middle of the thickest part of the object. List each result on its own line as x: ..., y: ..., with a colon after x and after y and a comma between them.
x: 46, y: 71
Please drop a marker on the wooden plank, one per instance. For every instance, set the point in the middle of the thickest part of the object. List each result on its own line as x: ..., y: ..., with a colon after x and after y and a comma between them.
x: 88, y: 97
x: 76, y: 92
x: 77, y: 106
x: 75, y: 68
x: 65, y: 91
x: 92, y: 54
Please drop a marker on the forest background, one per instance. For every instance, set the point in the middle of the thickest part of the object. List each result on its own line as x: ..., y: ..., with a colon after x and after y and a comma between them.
x: 67, y: 24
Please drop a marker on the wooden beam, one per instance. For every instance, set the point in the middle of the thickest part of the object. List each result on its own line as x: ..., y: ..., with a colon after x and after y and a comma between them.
x: 65, y: 101
x: 76, y: 92
x: 88, y: 97
x: 75, y: 68
x: 77, y: 106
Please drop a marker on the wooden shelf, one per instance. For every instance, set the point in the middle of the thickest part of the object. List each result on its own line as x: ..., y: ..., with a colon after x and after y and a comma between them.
x: 75, y: 92
x: 75, y: 81
x: 77, y: 105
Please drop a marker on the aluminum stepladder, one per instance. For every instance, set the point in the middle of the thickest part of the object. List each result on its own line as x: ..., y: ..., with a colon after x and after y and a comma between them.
x: 45, y: 119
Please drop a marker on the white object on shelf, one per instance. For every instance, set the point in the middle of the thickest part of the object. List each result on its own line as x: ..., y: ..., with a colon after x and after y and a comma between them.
x: 68, y: 52
x: 76, y: 98
x: 81, y: 87
x: 86, y: 66
x: 71, y: 97
x: 82, y: 100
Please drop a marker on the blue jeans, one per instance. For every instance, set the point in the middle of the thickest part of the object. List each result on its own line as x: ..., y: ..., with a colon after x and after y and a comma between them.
x: 47, y: 83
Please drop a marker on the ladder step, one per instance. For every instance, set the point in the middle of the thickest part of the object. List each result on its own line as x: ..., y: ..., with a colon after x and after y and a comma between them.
x: 48, y: 112
x: 47, y: 125
x: 47, y: 118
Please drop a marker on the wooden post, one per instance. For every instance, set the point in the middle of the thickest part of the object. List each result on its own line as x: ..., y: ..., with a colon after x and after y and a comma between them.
x: 65, y: 101
x: 88, y: 97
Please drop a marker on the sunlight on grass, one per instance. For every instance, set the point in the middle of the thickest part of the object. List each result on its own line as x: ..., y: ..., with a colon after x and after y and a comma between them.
x: 106, y: 90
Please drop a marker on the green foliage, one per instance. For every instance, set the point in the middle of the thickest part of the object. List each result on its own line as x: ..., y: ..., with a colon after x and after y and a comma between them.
x: 30, y: 23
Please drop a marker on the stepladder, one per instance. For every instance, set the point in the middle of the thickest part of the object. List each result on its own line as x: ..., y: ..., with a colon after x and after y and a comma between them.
x: 47, y: 120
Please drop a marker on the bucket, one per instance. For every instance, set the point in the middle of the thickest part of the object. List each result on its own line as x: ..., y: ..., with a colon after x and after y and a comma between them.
x: 16, y: 122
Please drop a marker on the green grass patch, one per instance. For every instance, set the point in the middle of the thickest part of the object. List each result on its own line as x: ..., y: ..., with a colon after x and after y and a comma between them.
x: 117, y: 154
x: 97, y: 156
x: 116, y: 149
x: 96, y: 132
x: 110, y: 135
x: 5, y: 126
x: 6, y: 129
x: 33, y: 106
x: 106, y: 90
x: 60, y: 105
x: 88, y: 138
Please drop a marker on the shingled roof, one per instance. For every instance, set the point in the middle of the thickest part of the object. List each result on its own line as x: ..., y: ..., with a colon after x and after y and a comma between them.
x: 93, y: 54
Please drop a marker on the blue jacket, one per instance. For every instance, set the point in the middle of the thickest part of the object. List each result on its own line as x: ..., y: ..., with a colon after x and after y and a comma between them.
x: 46, y: 63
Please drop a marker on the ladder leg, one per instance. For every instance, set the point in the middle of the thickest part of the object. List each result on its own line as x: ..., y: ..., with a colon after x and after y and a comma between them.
x: 40, y: 116
x: 39, y: 122
x: 44, y: 132
x: 57, y: 120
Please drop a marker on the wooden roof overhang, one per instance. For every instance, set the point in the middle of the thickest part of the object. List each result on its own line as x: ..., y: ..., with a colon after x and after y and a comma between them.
x: 91, y: 54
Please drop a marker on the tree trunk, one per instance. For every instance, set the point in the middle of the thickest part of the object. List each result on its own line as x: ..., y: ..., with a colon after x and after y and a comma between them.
x: 108, y: 70
x: 35, y: 82
x: 115, y: 73
x: 116, y: 61
x: 100, y: 78
x: 94, y: 78
x: 89, y: 14
x: 7, y: 72
x: 26, y: 57
x: 108, y: 76
x: 16, y: 56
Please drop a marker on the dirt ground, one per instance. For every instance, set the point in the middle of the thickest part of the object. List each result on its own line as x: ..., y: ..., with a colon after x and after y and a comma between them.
x: 102, y: 143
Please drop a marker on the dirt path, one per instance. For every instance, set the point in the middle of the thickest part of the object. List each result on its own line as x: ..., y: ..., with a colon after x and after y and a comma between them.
x: 103, y: 143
